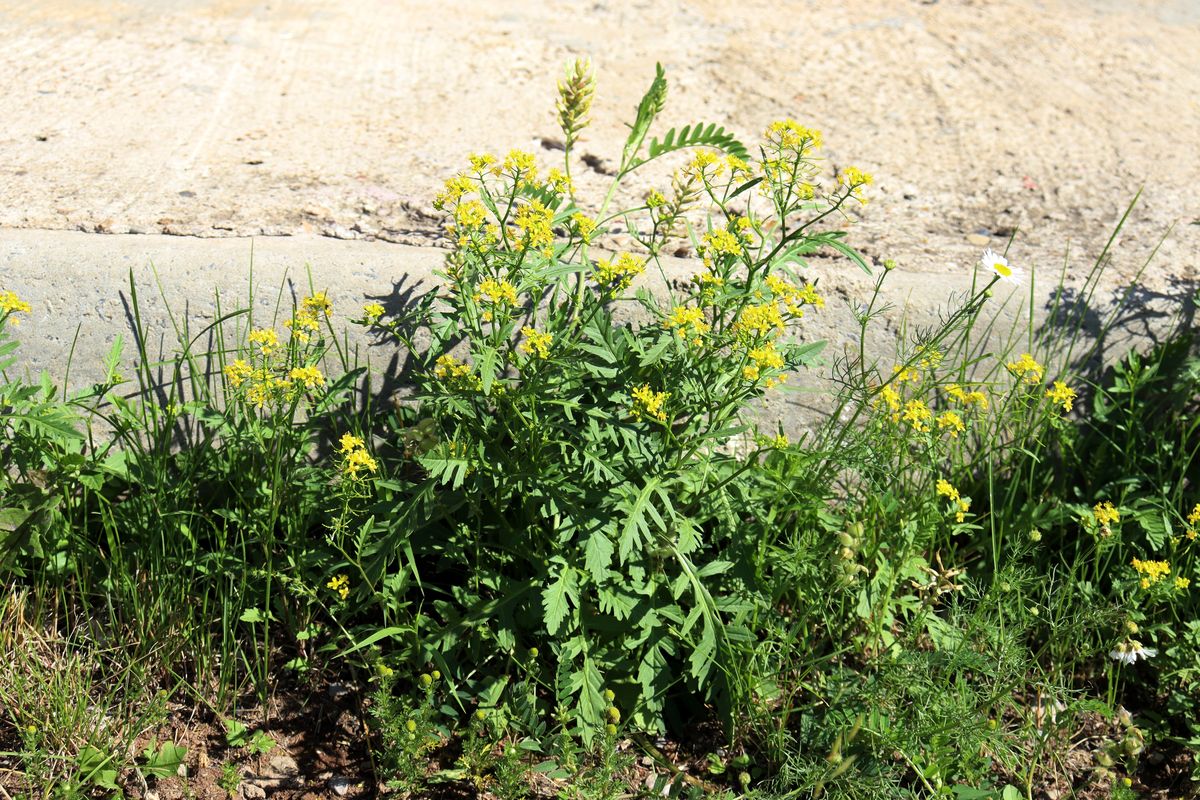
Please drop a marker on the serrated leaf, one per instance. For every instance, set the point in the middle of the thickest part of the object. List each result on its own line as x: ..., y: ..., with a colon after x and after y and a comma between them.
x: 557, y: 598
x: 597, y: 555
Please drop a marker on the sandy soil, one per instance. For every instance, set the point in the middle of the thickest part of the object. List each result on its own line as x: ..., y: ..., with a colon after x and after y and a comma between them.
x: 341, y: 117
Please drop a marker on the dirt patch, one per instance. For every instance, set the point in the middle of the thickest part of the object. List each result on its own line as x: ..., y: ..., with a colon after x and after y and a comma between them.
x: 231, y: 117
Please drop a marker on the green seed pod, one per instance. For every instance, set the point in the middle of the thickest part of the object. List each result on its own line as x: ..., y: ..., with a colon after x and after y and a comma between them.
x: 437, y: 676
x: 410, y: 726
x: 614, y: 714
x: 481, y: 715
x: 610, y: 729
x: 533, y: 652
x: 609, y: 695
x: 426, y: 679
x: 744, y: 779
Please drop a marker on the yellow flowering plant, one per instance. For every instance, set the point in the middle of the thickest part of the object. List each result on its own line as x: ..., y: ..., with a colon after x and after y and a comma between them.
x: 581, y: 454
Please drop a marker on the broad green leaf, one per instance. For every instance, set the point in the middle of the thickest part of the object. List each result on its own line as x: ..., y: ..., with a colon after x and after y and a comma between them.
x: 598, y: 555
x: 164, y: 763
x: 556, y: 598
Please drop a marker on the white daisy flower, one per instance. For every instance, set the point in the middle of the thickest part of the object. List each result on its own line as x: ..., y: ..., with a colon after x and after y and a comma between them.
x: 1000, y: 266
x: 1130, y: 650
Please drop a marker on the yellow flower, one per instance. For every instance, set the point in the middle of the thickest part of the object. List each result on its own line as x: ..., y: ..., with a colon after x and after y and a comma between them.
x: 854, y: 179
x: 536, y: 343
x: 1106, y: 513
x: 559, y: 182
x: 317, y: 304
x: 340, y: 584
x: 1063, y: 395
x: 904, y: 374
x: 350, y: 442
x: 617, y: 275
x: 946, y: 489
x: 238, y: 372
x: 455, y: 373
x: 372, y: 312
x: 1182, y: 583
x: 11, y: 304
x: 964, y: 505
x: 649, y: 403
x: 720, y: 242
x: 1194, y: 517
x: 584, y: 224
x: 1026, y: 369
x: 1151, y: 572
x: 687, y: 322
x: 359, y: 461
x: 310, y: 376
x: 470, y: 215
x: 765, y: 357
x: 302, y: 324
x: 890, y: 397
x: 521, y: 165
x: 701, y: 162
x: 497, y: 292
x: 948, y: 420
x: 759, y: 320
x: 266, y: 340
x: 790, y: 135
x: 917, y: 414
x: 481, y: 162
x: 536, y: 224
x: 455, y: 188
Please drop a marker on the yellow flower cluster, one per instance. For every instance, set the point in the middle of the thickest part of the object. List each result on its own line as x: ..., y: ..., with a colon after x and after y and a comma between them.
x: 1193, y: 518
x: 961, y: 504
x: 455, y: 188
x: 917, y: 414
x: 584, y: 225
x: 372, y: 312
x: 787, y: 134
x: 952, y: 422
x: 765, y: 357
x: 455, y: 374
x: 306, y: 320
x: 1106, y: 514
x: 265, y: 339
x: 855, y: 179
x: 558, y: 181
x: 11, y: 304
x: 721, y: 242
x: 536, y: 342
x: 794, y: 297
x: 1151, y: 572
x: 617, y: 275
x: 536, y: 225
x: 1182, y: 583
x: 497, y: 292
x: 967, y: 398
x: 470, y: 215
x: 1062, y: 395
x: 649, y: 403
x: 238, y: 371
x: 759, y: 320
x: 687, y: 322
x: 310, y: 376
x: 356, y: 458
x: 521, y: 165
x: 701, y: 163
x: 1026, y: 369
x: 340, y: 585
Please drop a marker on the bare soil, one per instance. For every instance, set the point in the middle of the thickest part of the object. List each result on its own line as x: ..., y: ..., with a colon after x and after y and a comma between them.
x: 342, y: 117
